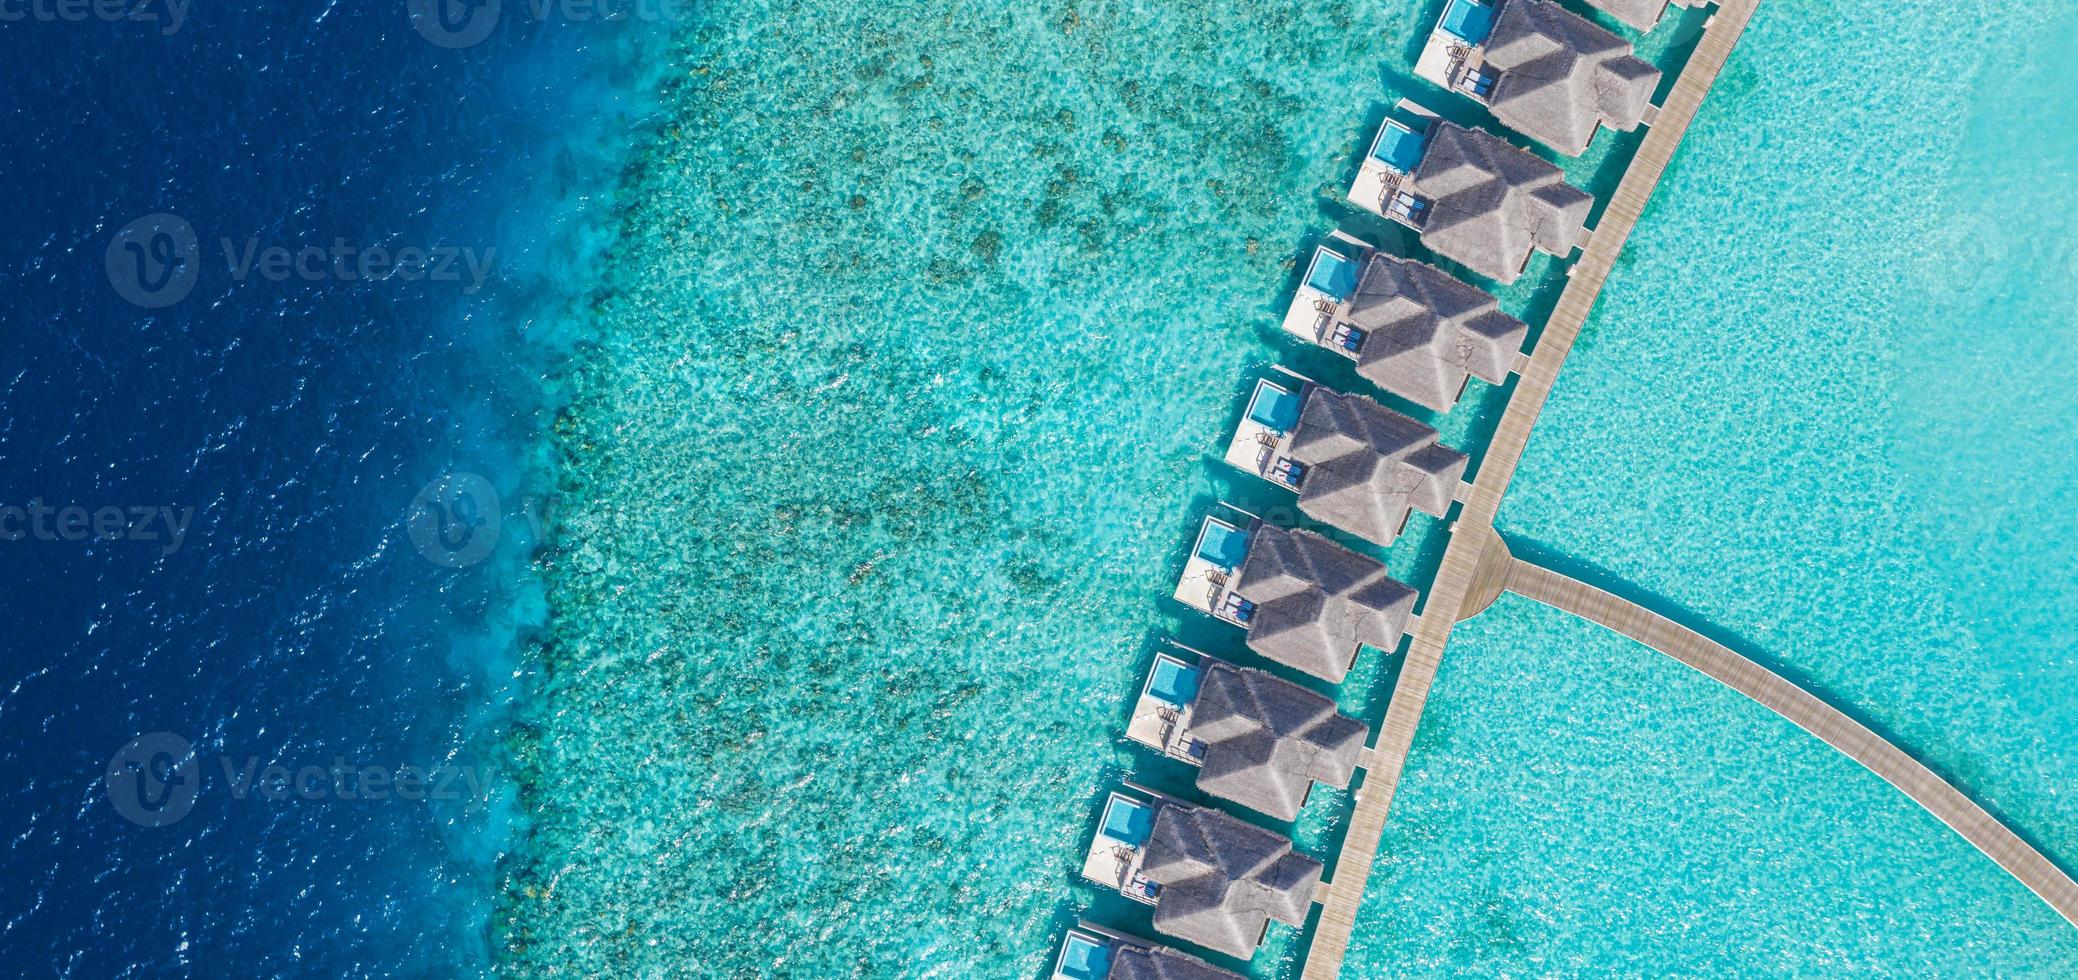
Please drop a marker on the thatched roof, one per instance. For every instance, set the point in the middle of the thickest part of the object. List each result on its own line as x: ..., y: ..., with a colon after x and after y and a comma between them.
x: 1559, y: 76
x: 1136, y: 962
x: 1317, y: 603
x: 1425, y: 331
x: 1269, y: 740
x: 1491, y: 202
x: 1367, y: 466
x: 1223, y: 879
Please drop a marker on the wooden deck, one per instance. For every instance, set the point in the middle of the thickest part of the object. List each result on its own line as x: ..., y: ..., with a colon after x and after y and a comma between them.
x: 1813, y: 715
x: 1458, y: 580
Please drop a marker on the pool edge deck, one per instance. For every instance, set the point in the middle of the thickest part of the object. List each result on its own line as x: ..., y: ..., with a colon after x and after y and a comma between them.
x: 1472, y: 536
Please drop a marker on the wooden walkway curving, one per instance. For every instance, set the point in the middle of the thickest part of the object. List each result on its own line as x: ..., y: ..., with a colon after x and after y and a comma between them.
x: 1804, y: 709
x: 1473, y: 538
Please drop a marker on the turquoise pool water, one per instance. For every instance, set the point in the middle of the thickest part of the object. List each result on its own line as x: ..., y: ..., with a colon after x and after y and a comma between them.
x: 1223, y: 545
x: 1127, y: 822
x: 1174, y: 683
x: 1467, y: 21
x: 852, y: 594
x: 1084, y: 958
x: 1276, y: 409
x: 1399, y: 147
x: 1333, y: 274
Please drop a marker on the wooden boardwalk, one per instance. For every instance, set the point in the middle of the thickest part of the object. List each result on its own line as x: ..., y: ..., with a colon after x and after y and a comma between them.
x: 1811, y: 714
x: 1473, y: 537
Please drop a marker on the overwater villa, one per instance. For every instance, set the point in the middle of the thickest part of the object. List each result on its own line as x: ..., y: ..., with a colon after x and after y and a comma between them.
x: 1412, y: 329
x: 1306, y: 602
x: 1475, y: 198
x: 1257, y: 739
x: 1115, y: 850
x: 1641, y: 14
x: 1356, y: 464
x: 1213, y: 879
x: 1542, y: 70
x: 1092, y: 952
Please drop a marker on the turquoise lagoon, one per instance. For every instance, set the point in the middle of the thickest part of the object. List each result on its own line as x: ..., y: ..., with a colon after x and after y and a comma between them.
x: 1579, y: 805
x: 1822, y: 413
x: 921, y: 333
x: 914, y: 363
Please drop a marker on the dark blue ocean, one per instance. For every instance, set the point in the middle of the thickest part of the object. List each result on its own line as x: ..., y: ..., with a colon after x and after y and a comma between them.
x: 286, y: 289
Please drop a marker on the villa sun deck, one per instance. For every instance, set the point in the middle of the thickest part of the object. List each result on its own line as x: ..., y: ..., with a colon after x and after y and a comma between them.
x: 1208, y: 576
x: 1331, y: 278
x: 1119, y: 845
x: 1396, y: 152
x: 1262, y: 440
x: 1162, y: 714
x: 1451, y: 58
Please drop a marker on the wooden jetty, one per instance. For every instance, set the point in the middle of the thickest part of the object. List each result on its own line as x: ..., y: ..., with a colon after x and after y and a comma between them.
x: 1472, y: 537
